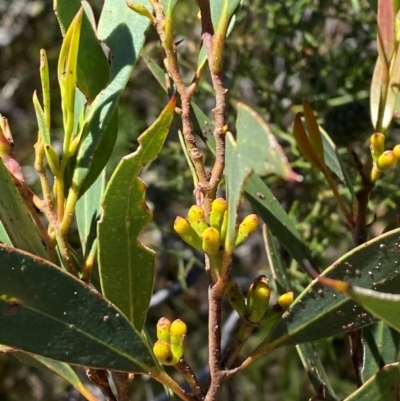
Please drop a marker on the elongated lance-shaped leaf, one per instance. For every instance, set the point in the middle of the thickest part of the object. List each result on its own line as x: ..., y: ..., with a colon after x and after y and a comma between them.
x: 314, y: 133
x: 383, y: 305
x: 126, y: 266
x: 256, y: 151
x: 378, y: 79
x: 386, y: 30
x: 334, y: 162
x: 277, y: 220
x: 93, y: 69
x: 316, y: 370
x: 67, y: 74
x: 320, y: 312
x: 48, y: 312
x: 383, y: 386
x: 60, y: 368
x: 381, y: 346
x: 124, y: 32
x: 88, y: 210
x: 304, y: 144
x: 15, y: 217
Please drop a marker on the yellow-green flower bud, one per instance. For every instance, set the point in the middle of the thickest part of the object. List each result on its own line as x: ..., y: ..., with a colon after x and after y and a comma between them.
x: 258, y: 299
x: 377, y: 144
x: 386, y: 160
x: 178, y: 332
x: 140, y: 9
x: 246, y: 227
x: 187, y: 233
x: 235, y: 298
x: 211, y: 241
x: 163, y: 329
x: 197, y: 219
x: 6, y: 142
x: 396, y: 151
x: 218, y: 209
x: 375, y: 174
x: 224, y: 227
x: 284, y: 301
x: 163, y: 353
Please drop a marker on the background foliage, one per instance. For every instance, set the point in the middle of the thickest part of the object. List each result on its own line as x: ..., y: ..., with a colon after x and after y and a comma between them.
x: 279, y: 53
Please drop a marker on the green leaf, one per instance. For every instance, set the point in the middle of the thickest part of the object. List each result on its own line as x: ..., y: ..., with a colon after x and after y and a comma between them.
x: 381, y: 346
x: 67, y: 74
x: 4, y: 238
x: 316, y: 371
x: 88, y: 210
x: 256, y: 151
x: 48, y: 312
x: 59, y: 368
x: 93, y: 69
x: 321, y: 312
x: 15, y: 217
x: 154, y: 68
x: 124, y: 32
x: 383, y: 386
x: 126, y: 266
x: 381, y: 304
x: 334, y: 162
x: 275, y: 217
x: 386, y: 30
x: 314, y: 133
x: 304, y: 144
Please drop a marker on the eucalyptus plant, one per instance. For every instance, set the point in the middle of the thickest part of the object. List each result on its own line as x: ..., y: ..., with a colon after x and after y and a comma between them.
x: 55, y: 313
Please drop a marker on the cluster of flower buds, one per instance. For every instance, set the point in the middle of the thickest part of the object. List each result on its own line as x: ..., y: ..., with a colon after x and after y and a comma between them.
x: 256, y: 307
x: 210, y: 237
x: 169, y: 346
x: 383, y: 159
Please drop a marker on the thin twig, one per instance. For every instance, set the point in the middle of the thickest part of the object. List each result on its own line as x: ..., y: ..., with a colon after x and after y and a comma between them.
x: 186, y: 371
x: 171, y: 64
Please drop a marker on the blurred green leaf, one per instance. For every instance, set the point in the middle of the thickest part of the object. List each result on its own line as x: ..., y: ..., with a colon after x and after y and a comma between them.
x: 15, y: 217
x: 316, y: 371
x: 88, y: 210
x: 386, y: 30
x: 381, y: 347
x: 50, y: 313
x: 256, y: 151
x: 93, y: 69
x: 320, y: 312
x: 314, y: 133
x: 4, y: 238
x: 304, y: 144
x: 59, y: 368
x: 334, y: 162
x: 124, y: 32
x: 126, y: 266
x: 383, y: 386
